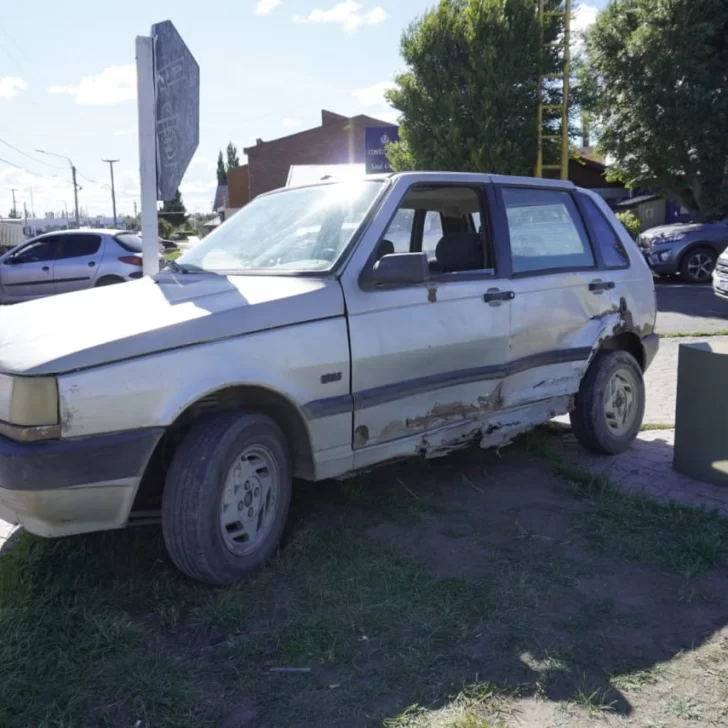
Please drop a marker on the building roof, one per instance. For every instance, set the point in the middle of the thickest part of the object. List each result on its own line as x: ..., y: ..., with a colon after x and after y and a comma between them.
x: 328, y: 118
x: 639, y: 200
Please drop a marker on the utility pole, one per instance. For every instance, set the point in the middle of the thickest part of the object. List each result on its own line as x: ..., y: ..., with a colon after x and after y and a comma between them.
x: 15, y: 209
x: 73, y: 176
x: 111, y: 163
x: 136, y: 215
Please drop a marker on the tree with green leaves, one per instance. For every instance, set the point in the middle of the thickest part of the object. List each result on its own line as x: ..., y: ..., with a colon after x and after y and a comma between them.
x: 174, y: 211
x: 221, y: 171
x: 469, y: 96
x: 656, y: 83
x: 233, y: 160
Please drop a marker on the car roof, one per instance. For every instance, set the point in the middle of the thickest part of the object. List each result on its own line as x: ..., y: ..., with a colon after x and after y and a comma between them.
x: 94, y: 231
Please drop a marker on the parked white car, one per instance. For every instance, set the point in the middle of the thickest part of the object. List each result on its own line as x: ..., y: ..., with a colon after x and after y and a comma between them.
x: 294, y: 342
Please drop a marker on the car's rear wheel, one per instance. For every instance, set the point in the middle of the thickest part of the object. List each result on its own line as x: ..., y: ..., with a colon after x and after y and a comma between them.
x: 697, y: 265
x: 226, y: 496
x: 610, y: 404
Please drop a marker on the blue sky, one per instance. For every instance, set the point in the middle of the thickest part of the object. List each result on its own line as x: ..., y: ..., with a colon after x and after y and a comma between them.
x: 267, y: 67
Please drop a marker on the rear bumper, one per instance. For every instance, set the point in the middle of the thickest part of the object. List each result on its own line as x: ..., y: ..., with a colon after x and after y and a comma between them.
x: 62, y: 487
x: 650, y: 345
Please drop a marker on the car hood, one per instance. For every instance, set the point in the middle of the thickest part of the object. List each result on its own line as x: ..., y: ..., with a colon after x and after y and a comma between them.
x: 102, y: 325
x: 655, y: 234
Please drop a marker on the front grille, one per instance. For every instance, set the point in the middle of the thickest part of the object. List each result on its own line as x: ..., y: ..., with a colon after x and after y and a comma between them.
x: 721, y: 268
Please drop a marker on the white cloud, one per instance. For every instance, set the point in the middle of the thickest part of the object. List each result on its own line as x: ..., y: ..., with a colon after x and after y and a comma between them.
x: 583, y: 17
x: 290, y: 123
x: 112, y: 86
x: 265, y: 6
x: 11, y: 86
x: 348, y: 14
x: 373, y: 95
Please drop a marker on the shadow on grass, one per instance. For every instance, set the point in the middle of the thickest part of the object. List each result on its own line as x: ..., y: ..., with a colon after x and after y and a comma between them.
x: 461, y: 585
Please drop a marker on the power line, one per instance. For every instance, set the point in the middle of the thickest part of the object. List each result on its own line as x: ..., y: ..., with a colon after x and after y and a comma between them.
x: 33, y: 159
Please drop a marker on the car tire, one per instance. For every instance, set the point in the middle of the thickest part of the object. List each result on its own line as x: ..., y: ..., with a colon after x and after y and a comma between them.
x: 698, y: 264
x: 610, y: 404
x: 108, y: 281
x: 226, y: 496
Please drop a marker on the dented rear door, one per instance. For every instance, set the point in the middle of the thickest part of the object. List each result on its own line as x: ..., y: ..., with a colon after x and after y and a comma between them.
x: 563, y: 302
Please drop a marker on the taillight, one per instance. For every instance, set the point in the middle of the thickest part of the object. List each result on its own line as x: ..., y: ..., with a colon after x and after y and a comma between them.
x: 131, y: 260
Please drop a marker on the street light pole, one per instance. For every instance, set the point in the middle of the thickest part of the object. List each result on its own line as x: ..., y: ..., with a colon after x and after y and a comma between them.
x: 73, y: 176
x: 15, y: 207
x: 111, y: 163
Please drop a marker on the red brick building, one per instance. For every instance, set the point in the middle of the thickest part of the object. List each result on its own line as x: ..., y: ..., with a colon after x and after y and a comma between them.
x: 339, y: 140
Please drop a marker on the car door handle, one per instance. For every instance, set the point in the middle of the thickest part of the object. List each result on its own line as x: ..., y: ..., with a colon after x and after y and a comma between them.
x: 45, y: 268
x: 596, y: 286
x: 91, y: 264
x: 495, y: 295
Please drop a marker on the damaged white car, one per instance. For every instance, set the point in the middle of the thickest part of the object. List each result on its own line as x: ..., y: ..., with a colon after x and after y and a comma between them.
x: 300, y: 340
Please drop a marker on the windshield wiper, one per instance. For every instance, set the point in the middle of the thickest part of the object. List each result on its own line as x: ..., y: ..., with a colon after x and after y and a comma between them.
x: 174, y: 265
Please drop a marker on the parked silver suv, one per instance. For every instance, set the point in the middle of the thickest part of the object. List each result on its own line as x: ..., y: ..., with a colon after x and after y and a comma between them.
x: 70, y: 260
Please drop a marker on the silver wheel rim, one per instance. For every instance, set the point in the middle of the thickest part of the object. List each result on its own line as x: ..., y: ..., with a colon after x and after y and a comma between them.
x: 249, y: 500
x: 620, y: 401
x: 700, y: 266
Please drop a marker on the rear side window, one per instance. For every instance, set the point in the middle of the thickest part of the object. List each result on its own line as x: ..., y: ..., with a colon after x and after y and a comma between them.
x: 130, y: 242
x: 546, y: 231
x: 78, y: 246
x: 610, y: 246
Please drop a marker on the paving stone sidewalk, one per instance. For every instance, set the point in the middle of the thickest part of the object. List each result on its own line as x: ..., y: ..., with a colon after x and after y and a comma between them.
x: 661, y: 379
x: 646, y: 469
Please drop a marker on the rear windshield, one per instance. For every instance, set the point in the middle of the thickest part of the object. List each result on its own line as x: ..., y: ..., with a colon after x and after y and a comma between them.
x: 130, y: 241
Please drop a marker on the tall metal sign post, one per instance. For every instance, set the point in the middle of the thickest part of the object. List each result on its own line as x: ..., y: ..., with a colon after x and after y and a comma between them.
x: 168, y: 98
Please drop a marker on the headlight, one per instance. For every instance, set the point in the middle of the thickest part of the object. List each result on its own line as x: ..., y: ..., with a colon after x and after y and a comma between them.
x: 672, y: 238
x: 29, y: 407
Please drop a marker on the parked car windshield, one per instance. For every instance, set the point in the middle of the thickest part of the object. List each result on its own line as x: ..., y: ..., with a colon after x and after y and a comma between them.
x: 130, y: 241
x: 302, y: 229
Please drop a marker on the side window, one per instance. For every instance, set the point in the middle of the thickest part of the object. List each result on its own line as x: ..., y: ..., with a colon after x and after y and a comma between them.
x: 78, y: 246
x: 610, y: 246
x: 399, y: 232
x: 38, y: 252
x: 442, y: 220
x: 432, y: 232
x: 546, y: 231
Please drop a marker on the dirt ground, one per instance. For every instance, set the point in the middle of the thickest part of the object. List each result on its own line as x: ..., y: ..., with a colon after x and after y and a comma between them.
x: 473, y: 591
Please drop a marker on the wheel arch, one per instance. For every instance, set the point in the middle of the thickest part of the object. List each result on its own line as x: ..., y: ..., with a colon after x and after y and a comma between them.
x: 694, y: 245
x: 627, y: 341
x: 258, y: 398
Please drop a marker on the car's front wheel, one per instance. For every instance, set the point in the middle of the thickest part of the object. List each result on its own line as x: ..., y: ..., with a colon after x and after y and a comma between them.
x: 226, y: 496
x: 610, y: 404
x: 697, y: 265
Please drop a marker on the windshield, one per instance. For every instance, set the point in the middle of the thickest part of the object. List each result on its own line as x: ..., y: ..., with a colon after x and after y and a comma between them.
x: 304, y: 229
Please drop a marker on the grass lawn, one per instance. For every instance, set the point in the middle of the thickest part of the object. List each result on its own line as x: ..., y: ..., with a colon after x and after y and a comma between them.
x: 475, y: 591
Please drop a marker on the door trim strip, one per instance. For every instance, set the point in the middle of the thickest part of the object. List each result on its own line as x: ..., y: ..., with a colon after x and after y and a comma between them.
x: 375, y: 396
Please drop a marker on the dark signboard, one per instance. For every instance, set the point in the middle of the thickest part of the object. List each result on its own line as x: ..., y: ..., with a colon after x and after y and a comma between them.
x: 177, y: 82
x: 376, y: 139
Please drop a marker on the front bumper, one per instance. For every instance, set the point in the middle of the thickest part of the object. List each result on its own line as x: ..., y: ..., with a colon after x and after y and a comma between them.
x: 62, y: 487
x: 662, y: 267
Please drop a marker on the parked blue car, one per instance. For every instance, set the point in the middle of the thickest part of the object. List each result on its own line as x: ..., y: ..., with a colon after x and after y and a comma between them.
x: 690, y: 249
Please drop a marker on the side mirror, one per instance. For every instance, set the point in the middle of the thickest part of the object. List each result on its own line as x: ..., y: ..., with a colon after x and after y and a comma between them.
x: 10, y: 260
x: 401, y: 268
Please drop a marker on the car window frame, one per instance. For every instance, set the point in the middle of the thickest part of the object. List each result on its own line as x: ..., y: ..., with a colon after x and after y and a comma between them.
x: 581, y: 196
x: 27, y: 244
x: 504, y: 233
x: 487, y: 200
x: 65, y: 236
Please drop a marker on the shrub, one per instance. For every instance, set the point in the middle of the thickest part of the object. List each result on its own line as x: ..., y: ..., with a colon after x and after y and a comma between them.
x: 631, y: 223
